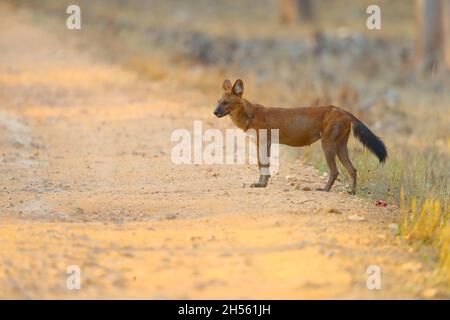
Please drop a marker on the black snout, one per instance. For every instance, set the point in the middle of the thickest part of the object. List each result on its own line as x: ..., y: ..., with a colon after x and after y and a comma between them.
x: 219, y: 113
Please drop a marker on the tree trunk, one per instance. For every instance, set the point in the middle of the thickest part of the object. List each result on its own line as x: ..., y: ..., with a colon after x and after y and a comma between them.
x: 429, y: 43
x: 305, y: 8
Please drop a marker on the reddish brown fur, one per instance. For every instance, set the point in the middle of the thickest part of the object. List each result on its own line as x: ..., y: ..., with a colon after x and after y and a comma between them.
x: 298, y: 127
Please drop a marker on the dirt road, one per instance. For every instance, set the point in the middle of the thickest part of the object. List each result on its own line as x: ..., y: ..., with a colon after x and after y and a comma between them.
x: 87, y: 180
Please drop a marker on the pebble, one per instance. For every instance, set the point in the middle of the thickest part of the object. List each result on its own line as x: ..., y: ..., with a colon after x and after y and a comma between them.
x: 291, y: 178
x: 393, y: 227
x: 355, y: 217
x: 333, y: 210
x: 329, y: 254
x: 298, y: 187
x: 171, y: 216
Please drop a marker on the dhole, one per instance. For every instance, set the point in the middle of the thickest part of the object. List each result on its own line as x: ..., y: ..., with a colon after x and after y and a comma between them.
x: 300, y: 127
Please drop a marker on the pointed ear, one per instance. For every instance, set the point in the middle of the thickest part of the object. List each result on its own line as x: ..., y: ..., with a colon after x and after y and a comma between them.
x: 227, y: 85
x: 238, y: 88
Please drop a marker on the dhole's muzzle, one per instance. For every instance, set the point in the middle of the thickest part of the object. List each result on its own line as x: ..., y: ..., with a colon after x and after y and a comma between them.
x: 219, y: 112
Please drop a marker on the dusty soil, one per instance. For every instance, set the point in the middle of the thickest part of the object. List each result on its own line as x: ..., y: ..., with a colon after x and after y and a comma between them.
x: 87, y: 179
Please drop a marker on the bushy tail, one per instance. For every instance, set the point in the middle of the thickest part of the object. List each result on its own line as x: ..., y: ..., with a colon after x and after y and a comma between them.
x: 369, y: 139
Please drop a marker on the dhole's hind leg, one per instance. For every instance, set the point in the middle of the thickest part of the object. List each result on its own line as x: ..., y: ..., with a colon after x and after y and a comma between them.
x: 342, y: 153
x: 329, y: 150
x: 345, y: 160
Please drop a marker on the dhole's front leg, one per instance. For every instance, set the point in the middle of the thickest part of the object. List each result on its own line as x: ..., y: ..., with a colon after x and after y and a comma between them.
x: 263, y: 151
x: 262, y: 183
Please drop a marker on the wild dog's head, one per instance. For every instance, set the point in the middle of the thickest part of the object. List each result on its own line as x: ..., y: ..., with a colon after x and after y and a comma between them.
x: 231, y: 99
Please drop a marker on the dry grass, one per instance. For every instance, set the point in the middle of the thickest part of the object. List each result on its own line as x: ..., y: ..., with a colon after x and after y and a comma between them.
x: 418, y: 184
x: 428, y: 224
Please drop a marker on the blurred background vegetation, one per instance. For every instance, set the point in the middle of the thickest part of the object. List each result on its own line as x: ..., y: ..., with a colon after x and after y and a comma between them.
x: 300, y: 53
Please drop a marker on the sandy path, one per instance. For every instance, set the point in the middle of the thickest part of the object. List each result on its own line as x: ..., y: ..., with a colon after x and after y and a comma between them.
x: 87, y: 180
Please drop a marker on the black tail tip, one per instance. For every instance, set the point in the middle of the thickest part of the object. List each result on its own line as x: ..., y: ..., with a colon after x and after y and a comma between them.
x: 379, y: 149
x: 383, y: 158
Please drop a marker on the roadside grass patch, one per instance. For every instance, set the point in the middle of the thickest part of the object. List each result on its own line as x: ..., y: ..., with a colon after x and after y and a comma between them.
x: 417, y: 182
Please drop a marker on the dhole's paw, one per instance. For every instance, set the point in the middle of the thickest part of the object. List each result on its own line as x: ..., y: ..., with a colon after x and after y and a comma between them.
x: 323, y: 189
x: 258, y: 185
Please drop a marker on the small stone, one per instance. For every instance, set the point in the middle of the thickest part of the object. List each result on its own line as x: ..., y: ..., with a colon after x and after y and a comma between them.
x: 393, y: 227
x: 302, y: 244
x: 171, y: 216
x: 355, y: 217
x: 329, y: 254
x: 335, y: 211
x: 298, y: 187
x: 291, y: 178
